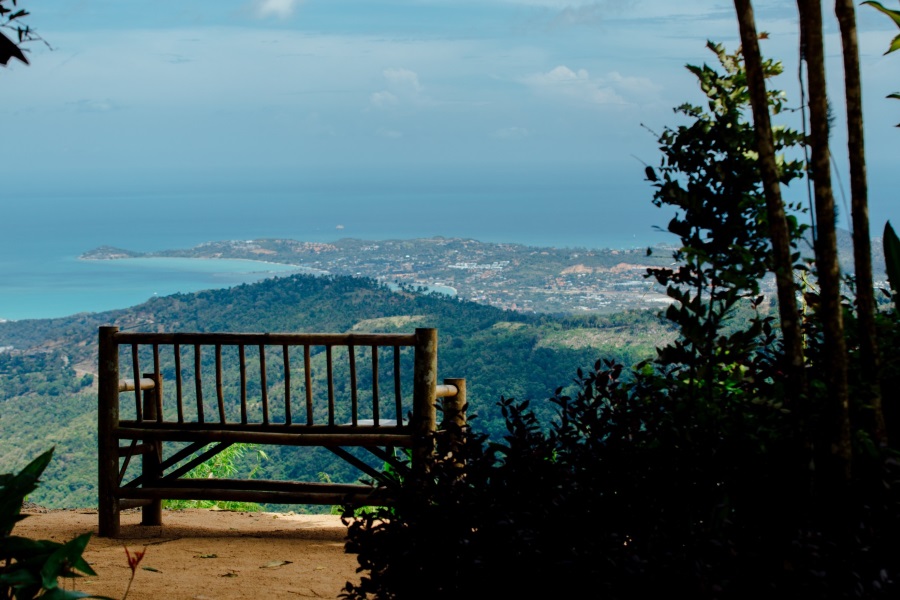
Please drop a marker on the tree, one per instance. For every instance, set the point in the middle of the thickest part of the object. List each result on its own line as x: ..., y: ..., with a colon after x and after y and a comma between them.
x: 862, y: 248
x: 711, y: 173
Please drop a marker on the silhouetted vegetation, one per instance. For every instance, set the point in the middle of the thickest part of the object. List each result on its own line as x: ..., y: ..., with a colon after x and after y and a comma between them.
x: 32, y: 568
x: 698, y: 474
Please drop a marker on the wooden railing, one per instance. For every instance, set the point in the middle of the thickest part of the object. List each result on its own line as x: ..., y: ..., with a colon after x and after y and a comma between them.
x: 178, y: 399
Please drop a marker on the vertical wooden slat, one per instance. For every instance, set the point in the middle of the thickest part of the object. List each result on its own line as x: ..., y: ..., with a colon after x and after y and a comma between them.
x: 220, y: 399
x: 375, y: 411
x: 454, y: 423
x: 287, y: 384
x: 198, y: 384
x: 177, y: 350
x: 308, y: 382
x: 107, y: 422
x: 330, y: 386
x: 424, y: 421
x: 158, y: 377
x: 135, y: 365
x: 398, y: 392
x: 151, y: 514
x: 243, y: 368
x: 351, y: 356
x: 264, y: 387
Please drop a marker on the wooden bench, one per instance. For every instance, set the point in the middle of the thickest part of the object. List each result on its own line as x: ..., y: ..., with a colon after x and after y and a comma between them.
x: 178, y: 399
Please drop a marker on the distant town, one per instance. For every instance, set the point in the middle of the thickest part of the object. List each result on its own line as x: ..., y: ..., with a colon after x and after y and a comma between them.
x: 508, y: 276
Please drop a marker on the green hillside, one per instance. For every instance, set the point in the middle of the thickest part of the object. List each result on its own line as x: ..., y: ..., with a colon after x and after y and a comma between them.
x: 46, y: 378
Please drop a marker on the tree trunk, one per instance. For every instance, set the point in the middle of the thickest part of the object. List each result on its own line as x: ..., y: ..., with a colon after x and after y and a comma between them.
x: 829, y: 308
x: 778, y: 227
x: 870, y: 357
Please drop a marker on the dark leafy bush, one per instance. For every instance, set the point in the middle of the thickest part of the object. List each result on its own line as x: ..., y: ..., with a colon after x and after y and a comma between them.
x: 633, y: 492
x: 32, y: 568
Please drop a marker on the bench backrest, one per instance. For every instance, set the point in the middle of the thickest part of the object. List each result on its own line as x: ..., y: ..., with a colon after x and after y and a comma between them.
x: 322, y: 381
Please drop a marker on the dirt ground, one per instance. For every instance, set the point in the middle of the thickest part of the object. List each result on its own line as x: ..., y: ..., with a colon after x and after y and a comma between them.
x: 207, y: 554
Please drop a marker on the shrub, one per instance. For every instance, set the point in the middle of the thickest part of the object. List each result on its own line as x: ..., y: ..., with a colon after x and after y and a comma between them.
x: 31, y: 568
x: 634, y: 490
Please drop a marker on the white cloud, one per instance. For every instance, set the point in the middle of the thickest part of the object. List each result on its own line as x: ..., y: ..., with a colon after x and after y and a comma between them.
x: 578, y: 86
x: 404, y: 88
x: 563, y: 82
x: 403, y: 78
x: 281, y: 9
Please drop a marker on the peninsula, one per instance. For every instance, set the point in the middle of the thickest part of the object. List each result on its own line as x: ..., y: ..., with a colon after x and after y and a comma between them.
x: 509, y: 276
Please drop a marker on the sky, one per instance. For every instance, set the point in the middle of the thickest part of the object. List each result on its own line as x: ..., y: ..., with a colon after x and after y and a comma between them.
x: 163, y: 95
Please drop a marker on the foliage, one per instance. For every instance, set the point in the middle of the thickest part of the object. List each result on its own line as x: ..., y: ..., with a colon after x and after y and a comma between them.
x: 636, y: 491
x: 710, y: 174
x: 32, y: 568
x: 221, y: 466
x: 894, y: 15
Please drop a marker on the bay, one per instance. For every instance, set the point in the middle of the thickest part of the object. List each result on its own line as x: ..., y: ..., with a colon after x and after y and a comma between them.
x: 42, y: 235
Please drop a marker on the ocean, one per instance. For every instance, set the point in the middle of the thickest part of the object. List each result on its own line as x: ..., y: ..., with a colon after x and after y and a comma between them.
x: 42, y: 236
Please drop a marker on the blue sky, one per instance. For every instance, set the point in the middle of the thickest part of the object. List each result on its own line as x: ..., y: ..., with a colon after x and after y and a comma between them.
x: 204, y: 94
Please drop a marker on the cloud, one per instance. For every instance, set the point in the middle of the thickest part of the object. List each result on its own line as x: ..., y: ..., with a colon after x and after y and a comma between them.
x: 280, y: 9
x: 383, y: 99
x: 563, y: 82
x: 404, y: 88
x: 578, y: 86
x: 403, y: 78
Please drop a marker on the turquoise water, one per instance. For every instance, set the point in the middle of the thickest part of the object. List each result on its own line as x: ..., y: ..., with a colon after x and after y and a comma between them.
x: 41, y: 236
x: 68, y: 285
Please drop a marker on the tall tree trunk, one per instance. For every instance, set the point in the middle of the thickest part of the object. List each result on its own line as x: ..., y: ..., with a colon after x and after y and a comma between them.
x: 829, y: 308
x: 862, y: 246
x: 778, y: 227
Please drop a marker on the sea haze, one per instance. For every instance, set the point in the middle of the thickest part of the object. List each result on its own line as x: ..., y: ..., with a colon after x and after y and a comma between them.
x: 42, y: 235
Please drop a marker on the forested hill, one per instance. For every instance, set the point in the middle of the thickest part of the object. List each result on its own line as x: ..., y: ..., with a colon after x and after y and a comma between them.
x: 47, y: 398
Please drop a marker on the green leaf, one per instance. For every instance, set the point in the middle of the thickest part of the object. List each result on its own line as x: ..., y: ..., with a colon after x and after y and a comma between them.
x: 19, y: 547
x: 65, y: 558
x: 893, y: 14
x: 61, y: 594
x: 895, y: 44
x: 14, y: 490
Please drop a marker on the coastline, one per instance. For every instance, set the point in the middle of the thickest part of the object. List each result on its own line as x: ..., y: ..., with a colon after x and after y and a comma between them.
x: 506, y: 275
x: 279, y: 267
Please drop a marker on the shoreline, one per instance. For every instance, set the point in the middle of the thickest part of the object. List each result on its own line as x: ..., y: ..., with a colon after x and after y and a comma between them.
x: 288, y: 267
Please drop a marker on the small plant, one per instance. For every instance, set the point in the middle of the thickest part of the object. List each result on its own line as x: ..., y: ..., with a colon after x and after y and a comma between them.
x: 133, y: 561
x: 32, y: 568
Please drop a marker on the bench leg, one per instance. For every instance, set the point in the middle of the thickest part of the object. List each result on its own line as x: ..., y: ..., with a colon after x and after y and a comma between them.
x: 151, y: 514
x: 108, y: 511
